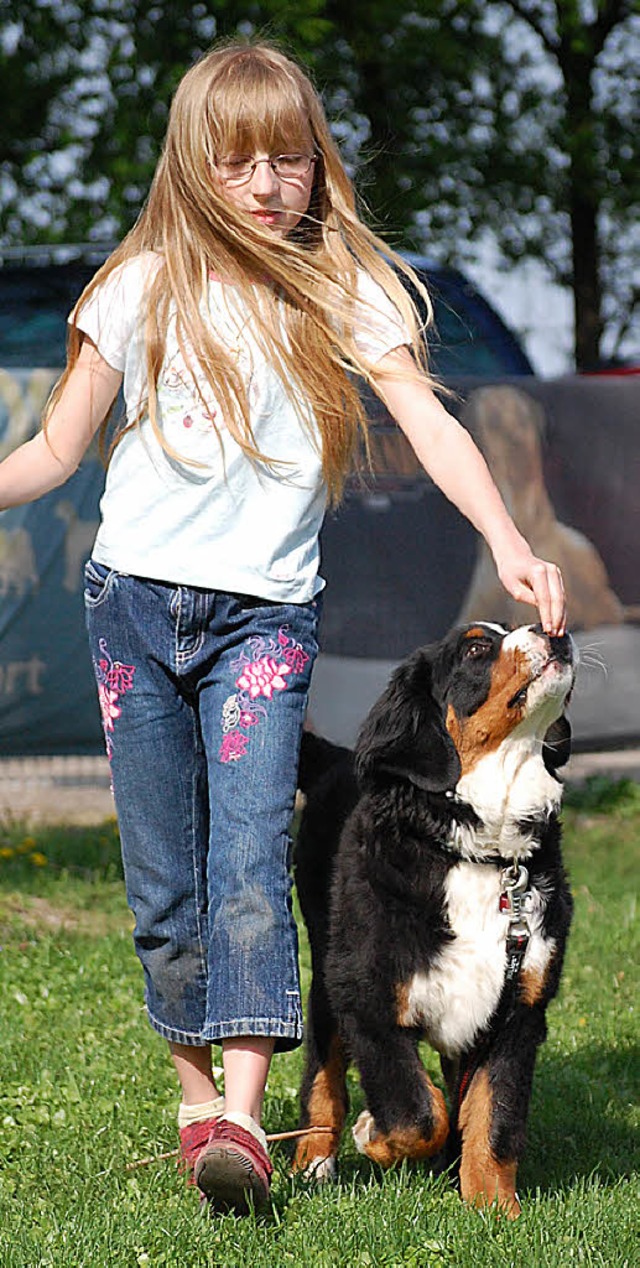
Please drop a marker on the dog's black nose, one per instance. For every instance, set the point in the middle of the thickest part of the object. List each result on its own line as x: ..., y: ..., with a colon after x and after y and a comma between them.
x: 561, y: 647
x: 560, y: 644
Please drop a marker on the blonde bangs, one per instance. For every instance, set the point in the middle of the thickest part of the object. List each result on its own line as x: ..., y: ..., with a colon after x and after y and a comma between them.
x: 257, y: 105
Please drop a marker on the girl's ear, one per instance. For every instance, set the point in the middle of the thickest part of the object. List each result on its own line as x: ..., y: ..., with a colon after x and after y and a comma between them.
x: 405, y: 734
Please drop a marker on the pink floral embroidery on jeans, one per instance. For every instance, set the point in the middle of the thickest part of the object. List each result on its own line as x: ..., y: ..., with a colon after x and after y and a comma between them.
x: 268, y: 669
x: 248, y: 719
x: 263, y: 677
x: 293, y: 653
x: 113, y: 680
x: 108, y: 707
x: 234, y: 746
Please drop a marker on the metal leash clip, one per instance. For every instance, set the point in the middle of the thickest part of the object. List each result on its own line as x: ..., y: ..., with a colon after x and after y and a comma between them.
x: 515, y: 880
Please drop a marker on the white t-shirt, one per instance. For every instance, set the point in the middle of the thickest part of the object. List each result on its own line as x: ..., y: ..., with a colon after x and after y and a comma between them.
x: 228, y: 524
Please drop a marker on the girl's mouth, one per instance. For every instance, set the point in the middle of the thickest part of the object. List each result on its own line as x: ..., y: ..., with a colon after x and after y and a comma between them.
x: 267, y: 217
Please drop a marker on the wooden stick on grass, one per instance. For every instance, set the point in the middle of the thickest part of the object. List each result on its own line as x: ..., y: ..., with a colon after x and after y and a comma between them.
x: 173, y: 1153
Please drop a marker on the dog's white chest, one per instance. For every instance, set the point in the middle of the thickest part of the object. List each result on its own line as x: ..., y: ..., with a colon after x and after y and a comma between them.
x: 455, y: 999
x: 505, y: 788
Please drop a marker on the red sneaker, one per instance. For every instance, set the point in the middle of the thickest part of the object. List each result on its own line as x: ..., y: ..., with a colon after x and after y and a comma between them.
x: 233, y: 1171
x: 192, y: 1141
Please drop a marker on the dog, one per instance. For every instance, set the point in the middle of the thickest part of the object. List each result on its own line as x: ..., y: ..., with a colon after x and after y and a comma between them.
x: 429, y: 872
x: 508, y: 427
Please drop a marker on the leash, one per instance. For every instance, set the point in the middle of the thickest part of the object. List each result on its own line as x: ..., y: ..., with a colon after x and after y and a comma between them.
x: 173, y: 1153
x: 515, y: 882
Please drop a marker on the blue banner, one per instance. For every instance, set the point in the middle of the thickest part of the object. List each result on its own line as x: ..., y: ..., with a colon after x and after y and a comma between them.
x: 401, y: 565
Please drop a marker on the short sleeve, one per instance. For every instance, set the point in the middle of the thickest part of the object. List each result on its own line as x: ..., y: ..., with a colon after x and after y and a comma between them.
x: 111, y: 315
x: 378, y: 327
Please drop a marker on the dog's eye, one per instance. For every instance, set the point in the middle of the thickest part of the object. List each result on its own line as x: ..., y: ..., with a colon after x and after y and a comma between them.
x: 476, y: 648
x: 519, y: 697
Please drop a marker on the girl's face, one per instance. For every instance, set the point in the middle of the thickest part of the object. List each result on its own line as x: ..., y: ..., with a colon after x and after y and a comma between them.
x: 273, y: 188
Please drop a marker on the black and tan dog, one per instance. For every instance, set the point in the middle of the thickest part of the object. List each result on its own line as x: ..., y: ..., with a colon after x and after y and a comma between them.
x: 431, y: 881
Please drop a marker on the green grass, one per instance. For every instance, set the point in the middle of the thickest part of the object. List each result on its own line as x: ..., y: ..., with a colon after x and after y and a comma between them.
x: 86, y: 1087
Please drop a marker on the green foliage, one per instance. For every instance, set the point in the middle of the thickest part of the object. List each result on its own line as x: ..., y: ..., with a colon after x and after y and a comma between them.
x: 460, y: 116
x: 86, y: 1088
x: 603, y: 795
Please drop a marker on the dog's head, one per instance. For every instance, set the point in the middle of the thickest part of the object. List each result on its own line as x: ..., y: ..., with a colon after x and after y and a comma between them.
x: 454, y: 702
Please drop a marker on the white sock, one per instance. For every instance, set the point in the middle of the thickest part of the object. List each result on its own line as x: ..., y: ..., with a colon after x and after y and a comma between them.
x: 188, y: 1114
x: 249, y: 1124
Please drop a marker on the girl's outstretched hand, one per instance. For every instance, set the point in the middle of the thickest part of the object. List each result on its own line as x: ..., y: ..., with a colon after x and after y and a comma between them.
x: 449, y: 455
x: 532, y: 580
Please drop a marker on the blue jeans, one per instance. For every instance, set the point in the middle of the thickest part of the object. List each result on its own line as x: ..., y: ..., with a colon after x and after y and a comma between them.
x: 203, y: 696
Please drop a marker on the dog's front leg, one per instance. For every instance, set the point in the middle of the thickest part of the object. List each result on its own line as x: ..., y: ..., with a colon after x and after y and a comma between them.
x: 493, y: 1112
x: 407, y: 1115
x: 485, y: 1176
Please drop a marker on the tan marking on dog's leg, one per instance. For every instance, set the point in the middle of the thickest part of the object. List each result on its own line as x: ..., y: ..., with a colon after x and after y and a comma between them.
x: 407, y: 1142
x: 404, y: 1015
x: 326, y: 1108
x: 532, y: 985
x: 483, y: 1178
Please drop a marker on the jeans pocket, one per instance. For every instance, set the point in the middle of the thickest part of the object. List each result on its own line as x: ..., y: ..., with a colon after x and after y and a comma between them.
x: 97, y: 582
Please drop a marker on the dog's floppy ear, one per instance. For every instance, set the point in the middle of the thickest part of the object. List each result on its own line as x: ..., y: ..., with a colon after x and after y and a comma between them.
x: 405, y: 734
x: 556, y: 746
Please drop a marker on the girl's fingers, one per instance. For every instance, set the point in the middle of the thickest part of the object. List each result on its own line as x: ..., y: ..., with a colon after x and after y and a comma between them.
x: 540, y: 583
x: 548, y: 590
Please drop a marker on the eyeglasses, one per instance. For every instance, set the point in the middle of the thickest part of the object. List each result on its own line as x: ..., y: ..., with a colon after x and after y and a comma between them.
x: 239, y: 168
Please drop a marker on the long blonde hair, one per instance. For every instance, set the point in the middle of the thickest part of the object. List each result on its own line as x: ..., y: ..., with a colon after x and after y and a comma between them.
x: 299, y: 292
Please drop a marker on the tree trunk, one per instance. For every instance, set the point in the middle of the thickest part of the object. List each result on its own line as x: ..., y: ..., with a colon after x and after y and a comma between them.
x: 587, y: 291
x: 576, y: 57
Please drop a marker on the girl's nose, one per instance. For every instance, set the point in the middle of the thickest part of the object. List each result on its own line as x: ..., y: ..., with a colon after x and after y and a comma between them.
x: 264, y: 179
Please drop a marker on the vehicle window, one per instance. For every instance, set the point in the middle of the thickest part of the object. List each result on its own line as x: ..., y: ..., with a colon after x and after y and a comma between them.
x: 33, y: 314
x: 468, y: 337
x: 457, y: 346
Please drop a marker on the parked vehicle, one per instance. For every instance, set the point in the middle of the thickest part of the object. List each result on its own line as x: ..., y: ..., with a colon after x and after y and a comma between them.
x: 39, y: 285
x: 468, y: 338
x: 615, y: 368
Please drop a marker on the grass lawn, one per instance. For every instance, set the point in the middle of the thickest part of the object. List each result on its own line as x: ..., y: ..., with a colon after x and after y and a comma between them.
x: 86, y: 1087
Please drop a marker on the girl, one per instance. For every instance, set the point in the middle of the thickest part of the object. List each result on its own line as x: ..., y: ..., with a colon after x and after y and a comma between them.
x: 237, y: 311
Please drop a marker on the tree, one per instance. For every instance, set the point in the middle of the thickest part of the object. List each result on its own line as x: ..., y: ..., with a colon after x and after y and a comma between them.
x: 519, y: 117
x: 461, y: 118
x: 596, y: 129
x: 85, y: 88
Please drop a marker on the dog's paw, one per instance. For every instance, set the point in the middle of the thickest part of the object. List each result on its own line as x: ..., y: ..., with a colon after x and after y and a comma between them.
x: 364, y: 1131
x: 321, y: 1170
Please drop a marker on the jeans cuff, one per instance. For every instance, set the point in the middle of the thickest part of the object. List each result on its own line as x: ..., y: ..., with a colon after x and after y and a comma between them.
x: 269, y: 1027
x: 173, y: 1035
x: 287, y: 1035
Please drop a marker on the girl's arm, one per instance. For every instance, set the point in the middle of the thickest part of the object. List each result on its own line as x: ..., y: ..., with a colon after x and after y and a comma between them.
x: 450, y: 457
x: 49, y: 459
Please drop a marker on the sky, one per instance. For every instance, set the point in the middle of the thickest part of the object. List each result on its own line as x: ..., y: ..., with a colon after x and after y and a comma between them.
x: 539, y: 311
